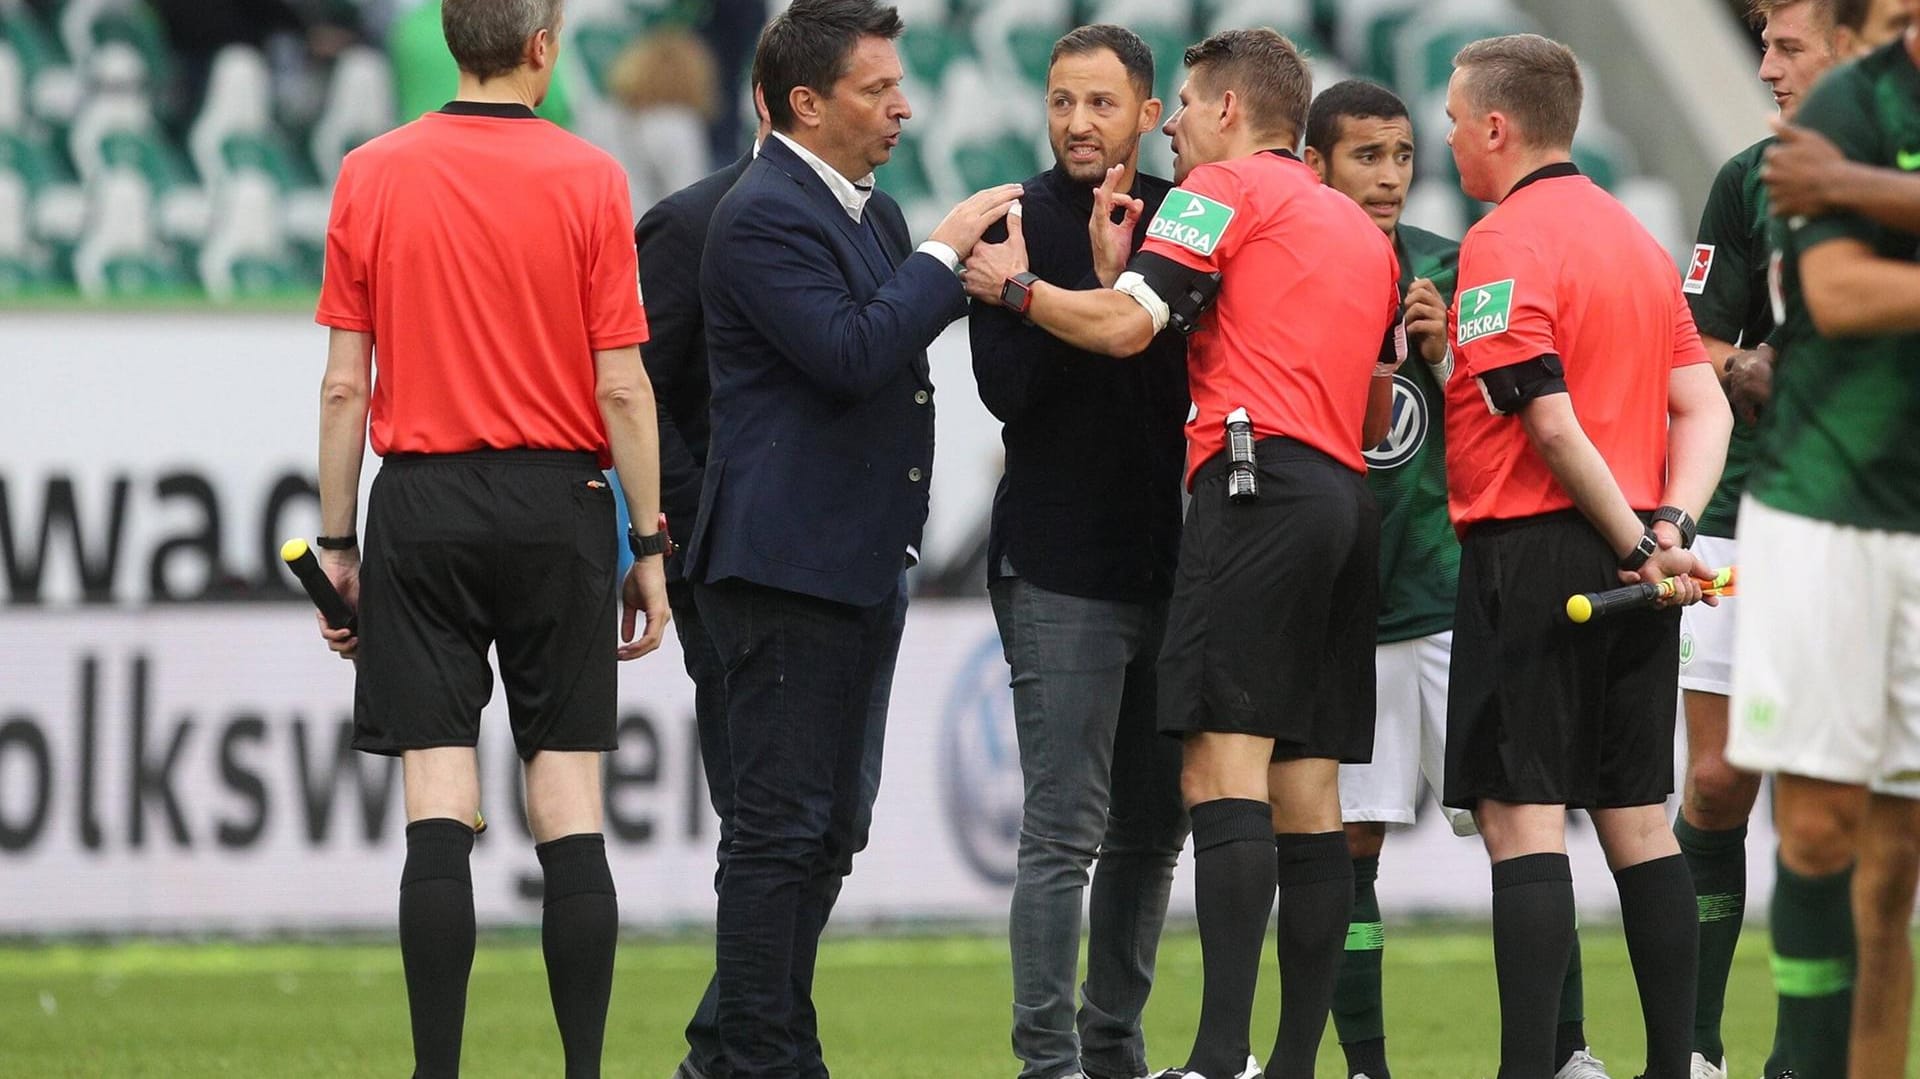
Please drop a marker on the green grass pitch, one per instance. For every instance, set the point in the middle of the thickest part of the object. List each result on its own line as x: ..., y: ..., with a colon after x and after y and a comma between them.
x: 932, y: 1007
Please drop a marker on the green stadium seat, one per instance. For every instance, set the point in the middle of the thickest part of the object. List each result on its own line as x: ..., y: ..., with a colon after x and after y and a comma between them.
x: 926, y: 51
x: 598, y: 45
x: 257, y: 276
x: 1424, y: 49
x: 904, y: 176
x: 1006, y: 159
x: 148, y: 153
x: 265, y: 152
x: 143, y: 277
x: 29, y: 156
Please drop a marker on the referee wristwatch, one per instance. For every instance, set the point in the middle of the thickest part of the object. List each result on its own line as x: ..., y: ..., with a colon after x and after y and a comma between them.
x: 646, y: 546
x: 1634, y: 559
x: 1682, y: 522
x: 1017, y: 293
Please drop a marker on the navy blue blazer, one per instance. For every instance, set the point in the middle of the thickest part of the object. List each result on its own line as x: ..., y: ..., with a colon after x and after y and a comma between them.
x: 822, y: 407
x: 671, y: 238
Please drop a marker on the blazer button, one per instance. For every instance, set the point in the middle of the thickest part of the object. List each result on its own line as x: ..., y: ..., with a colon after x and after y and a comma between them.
x: 913, y: 474
x: 920, y: 397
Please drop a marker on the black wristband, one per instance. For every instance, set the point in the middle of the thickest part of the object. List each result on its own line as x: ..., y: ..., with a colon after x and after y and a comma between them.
x: 1634, y: 559
x: 646, y: 546
x: 1681, y: 520
x: 337, y: 543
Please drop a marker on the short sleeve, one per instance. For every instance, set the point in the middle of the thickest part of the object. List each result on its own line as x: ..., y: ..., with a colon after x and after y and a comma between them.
x: 1841, y: 107
x: 346, y: 302
x: 1503, y: 310
x: 1688, y: 349
x: 615, y: 317
x: 1200, y: 222
x: 1721, y: 269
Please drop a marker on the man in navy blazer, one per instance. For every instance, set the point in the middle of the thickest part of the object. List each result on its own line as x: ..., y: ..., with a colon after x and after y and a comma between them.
x: 818, y: 316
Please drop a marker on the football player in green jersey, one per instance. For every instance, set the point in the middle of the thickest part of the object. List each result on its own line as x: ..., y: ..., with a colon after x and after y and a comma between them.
x: 1360, y: 140
x: 1827, y: 682
x: 1726, y: 285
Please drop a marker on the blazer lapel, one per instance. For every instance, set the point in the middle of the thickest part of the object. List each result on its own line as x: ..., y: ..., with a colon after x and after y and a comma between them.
x: 871, y: 253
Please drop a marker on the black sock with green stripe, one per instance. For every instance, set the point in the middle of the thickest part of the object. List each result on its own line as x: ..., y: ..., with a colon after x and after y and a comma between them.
x: 1571, y: 1035
x: 1718, y: 863
x: 1813, y: 969
x: 1357, y: 1013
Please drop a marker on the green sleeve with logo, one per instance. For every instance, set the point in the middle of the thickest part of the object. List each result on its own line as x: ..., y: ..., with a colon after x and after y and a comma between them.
x: 1841, y: 439
x: 1419, y: 556
x: 1726, y: 287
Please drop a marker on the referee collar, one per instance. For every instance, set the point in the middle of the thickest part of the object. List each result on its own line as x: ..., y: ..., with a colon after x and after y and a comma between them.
x: 498, y: 109
x: 1279, y: 151
x: 1546, y: 172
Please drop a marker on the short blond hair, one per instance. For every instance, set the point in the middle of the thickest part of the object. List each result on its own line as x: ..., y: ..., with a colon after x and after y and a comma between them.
x: 1264, y: 69
x: 1532, y: 79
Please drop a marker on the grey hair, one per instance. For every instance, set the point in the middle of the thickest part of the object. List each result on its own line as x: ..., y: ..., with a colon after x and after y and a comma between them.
x: 488, y: 38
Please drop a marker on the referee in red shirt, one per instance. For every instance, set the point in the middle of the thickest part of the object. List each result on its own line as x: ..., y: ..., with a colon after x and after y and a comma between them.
x: 484, y: 255
x: 1585, y: 430
x: 1289, y: 291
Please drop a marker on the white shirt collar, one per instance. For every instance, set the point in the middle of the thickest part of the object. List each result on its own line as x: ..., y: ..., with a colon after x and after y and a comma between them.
x: 852, y: 194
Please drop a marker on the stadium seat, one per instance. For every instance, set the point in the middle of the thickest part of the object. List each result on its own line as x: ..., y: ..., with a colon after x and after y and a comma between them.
x: 1424, y: 46
x: 102, y: 116
x: 359, y: 106
x: 1365, y: 34
x: 1014, y: 38
x: 1435, y: 206
x: 119, y: 252
x: 85, y: 25
x: 904, y: 176
x: 1293, y: 18
x: 239, y: 103
x: 927, y: 50
x: 13, y: 89
x: 53, y: 88
x: 246, y: 251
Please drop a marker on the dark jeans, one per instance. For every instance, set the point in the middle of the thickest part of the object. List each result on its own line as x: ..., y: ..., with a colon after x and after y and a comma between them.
x: 804, y: 695
x: 1101, y: 782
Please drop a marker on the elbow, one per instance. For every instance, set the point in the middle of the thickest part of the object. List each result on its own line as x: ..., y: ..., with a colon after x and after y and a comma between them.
x: 624, y: 396
x: 1128, y: 336
x: 339, y: 394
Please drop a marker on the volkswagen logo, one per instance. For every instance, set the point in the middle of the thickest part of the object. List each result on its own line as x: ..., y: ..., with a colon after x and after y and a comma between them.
x: 983, y: 789
x: 1408, y: 430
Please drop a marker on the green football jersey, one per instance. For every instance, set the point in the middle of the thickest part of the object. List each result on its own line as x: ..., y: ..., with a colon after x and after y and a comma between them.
x: 1726, y: 286
x: 1419, y: 556
x: 1841, y: 440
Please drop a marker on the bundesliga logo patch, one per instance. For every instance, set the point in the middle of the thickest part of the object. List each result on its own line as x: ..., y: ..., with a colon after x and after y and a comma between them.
x: 1192, y: 221
x: 1485, y: 310
x: 1696, y: 282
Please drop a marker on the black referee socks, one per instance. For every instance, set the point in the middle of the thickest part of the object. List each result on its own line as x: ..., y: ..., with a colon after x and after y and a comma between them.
x: 1532, y: 934
x: 1658, y: 913
x: 436, y: 940
x: 578, y: 930
x: 1315, y: 876
x: 1233, y: 888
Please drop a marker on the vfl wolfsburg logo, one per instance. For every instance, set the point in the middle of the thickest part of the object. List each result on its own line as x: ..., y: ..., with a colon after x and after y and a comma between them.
x: 1686, y: 649
x: 1484, y: 310
x: 1195, y: 222
x: 1408, y: 430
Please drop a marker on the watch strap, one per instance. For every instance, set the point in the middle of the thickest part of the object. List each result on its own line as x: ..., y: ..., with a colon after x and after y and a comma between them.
x: 346, y: 542
x: 648, y: 545
x: 1642, y: 551
x: 1681, y: 520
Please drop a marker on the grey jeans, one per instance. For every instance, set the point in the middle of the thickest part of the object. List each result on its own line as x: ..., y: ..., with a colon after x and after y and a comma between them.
x: 1101, y: 782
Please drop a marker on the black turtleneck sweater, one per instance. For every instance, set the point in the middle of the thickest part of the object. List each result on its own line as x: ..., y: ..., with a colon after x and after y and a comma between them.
x: 1090, y: 502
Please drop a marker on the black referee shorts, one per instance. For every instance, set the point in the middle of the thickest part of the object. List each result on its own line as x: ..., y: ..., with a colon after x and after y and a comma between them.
x: 1270, y: 631
x: 1543, y: 711
x: 509, y: 548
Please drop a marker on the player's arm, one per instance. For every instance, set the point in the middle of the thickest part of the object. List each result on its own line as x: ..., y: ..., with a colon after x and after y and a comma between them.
x: 1851, y: 292
x: 346, y: 392
x: 1102, y: 320
x: 1808, y: 176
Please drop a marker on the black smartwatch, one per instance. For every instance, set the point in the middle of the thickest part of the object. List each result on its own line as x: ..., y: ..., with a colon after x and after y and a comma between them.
x: 337, y: 543
x: 1681, y: 520
x: 1634, y: 559
x: 1017, y: 293
x: 648, y: 545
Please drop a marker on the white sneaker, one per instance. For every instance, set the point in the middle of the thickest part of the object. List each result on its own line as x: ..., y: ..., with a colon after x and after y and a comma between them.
x: 1582, y: 1065
x: 1702, y: 1068
x: 1251, y: 1071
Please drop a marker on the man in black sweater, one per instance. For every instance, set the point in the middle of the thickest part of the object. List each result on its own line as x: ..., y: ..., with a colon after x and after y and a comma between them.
x: 1086, y: 527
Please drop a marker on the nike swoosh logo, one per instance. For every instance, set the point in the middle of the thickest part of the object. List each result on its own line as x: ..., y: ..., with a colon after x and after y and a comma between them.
x: 1907, y: 160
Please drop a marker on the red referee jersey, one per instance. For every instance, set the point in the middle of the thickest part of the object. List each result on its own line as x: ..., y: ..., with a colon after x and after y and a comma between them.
x: 1561, y: 268
x: 1309, y: 287
x: 489, y: 253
